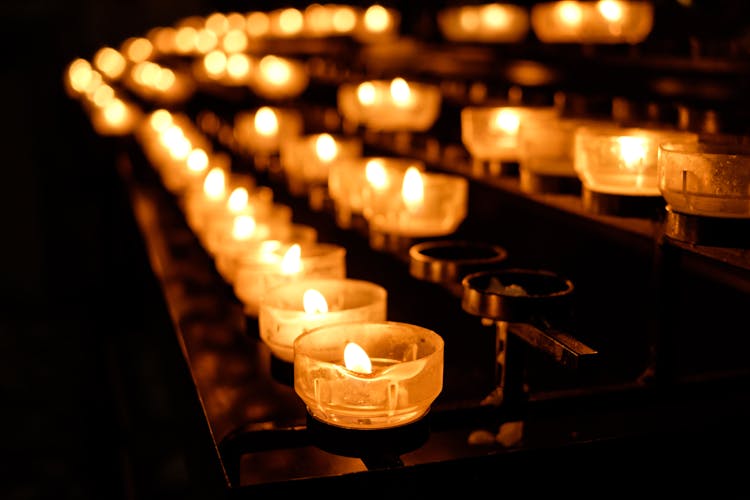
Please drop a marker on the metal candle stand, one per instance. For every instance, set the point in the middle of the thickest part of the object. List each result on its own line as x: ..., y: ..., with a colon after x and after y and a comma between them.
x: 704, y: 230
x: 533, y: 305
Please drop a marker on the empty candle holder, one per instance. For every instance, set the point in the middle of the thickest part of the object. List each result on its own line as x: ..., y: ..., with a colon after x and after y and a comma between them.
x: 490, y: 134
x: 707, y: 190
x: 447, y: 262
x: 484, y: 23
x: 601, y: 22
x: 368, y: 375
x: 617, y: 167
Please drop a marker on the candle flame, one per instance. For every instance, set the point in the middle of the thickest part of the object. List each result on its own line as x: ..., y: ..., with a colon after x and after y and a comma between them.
x: 632, y: 151
x: 266, y: 121
x: 234, y: 41
x: 165, y: 79
x: 275, y: 69
x: 197, y: 160
x: 110, y: 62
x: 207, y: 41
x: 214, y: 185
x: 376, y: 175
x: 215, y: 62
x: 160, y: 120
x: 238, y: 66
x: 344, y: 19
x: 366, y: 93
x: 495, y: 16
x: 326, y: 148
x: 314, y: 302
x: 356, y: 359
x: 377, y: 18
x: 508, y: 121
x: 469, y: 19
x: 103, y: 95
x: 570, y: 12
x: 412, y: 188
x: 400, y: 92
x: 291, y: 21
x: 611, y: 10
x: 292, y: 261
x: 79, y: 74
x: 238, y: 200
x: 115, y: 111
x: 257, y: 23
x: 243, y: 227
x: 139, y: 49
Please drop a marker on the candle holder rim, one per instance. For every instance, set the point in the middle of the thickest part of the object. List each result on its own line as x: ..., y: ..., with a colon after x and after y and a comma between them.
x: 380, y: 290
x: 568, y: 289
x: 416, y: 252
x: 708, y: 149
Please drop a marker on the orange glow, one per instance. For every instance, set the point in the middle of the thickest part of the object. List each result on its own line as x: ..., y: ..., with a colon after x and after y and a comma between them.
x: 164, y: 39
x: 401, y: 92
x: 257, y: 24
x: 238, y: 199
x: 146, y: 73
x: 206, y: 41
x: 160, y: 120
x: 236, y: 21
x: 611, y: 10
x: 412, y: 188
x: 138, y: 49
x: 495, y: 16
x: 275, y: 69
x: 79, y: 74
x: 186, y: 39
x: 217, y: 23
x: 570, y: 12
x: 291, y: 21
x: 344, y: 19
x: 632, y: 151
x: 234, y: 41
x: 103, y: 96
x: 507, y: 120
x: 266, y: 122
x: 115, y: 112
x: 197, y: 160
x: 469, y: 19
x: 376, y: 175
x: 292, y: 261
x: 243, y: 227
x: 215, y: 62
x: 366, y: 93
x: 326, y: 148
x: 238, y: 66
x: 214, y: 185
x: 165, y: 79
x: 356, y: 359
x: 110, y: 62
x: 314, y: 302
x: 377, y: 18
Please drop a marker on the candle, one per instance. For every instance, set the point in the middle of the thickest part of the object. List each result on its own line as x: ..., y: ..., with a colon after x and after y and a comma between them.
x: 621, y: 161
x: 291, y: 309
x: 306, y: 159
x: 262, y: 131
x: 279, y: 78
x: 115, y: 118
x: 368, y: 375
x: 602, y: 21
x: 486, y: 23
x: 491, y: 132
x: 348, y: 177
x: 282, y: 263
x: 377, y: 24
x: 390, y: 105
x: 422, y: 204
x: 711, y: 180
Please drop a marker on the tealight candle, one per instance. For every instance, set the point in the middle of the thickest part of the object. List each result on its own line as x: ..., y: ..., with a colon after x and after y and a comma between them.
x: 290, y: 310
x: 391, y: 105
x: 116, y: 118
x: 622, y: 161
x: 257, y: 273
x: 377, y: 24
x: 710, y: 180
x: 305, y: 160
x: 348, y: 177
x: 487, y: 23
x: 279, y: 78
x: 261, y: 132
x: 423, y: 204
x: 368, y: 375
x: 603, y: 21
x: 490, y: 133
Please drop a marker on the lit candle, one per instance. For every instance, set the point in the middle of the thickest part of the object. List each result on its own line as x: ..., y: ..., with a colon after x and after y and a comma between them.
x: 602, y: 21
x: 705, y: 179
x: 377, y: 24
x: 622, y: 161
x: 368, y: 375
x: 347, y: 179
x: 279, y: 78
x: 262, y: 131
x: 259, y: 272
x: 487, y: 23
x: 291, y: 309
x: 422, y: 204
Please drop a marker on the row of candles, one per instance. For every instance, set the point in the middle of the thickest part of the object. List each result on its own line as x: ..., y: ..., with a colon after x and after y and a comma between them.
x: 352, y: 367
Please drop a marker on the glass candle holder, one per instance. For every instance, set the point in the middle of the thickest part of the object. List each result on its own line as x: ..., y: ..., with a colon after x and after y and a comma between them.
x: 259, y: 272
x: 603, y: 21
x: 622, y: 161
x: 292, y: 309
x: 368, y: 375
x: 348, y: 178
x: 491, y: 132
x: 710, y: 180
x: 279, y: 78
x: 485, y: 23
x: 306, y: 159
x: 263, y: 130
x: 423, y: 204
x: 390, y: 105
